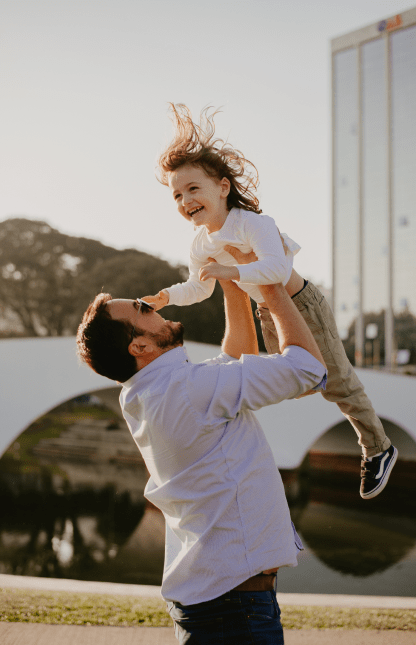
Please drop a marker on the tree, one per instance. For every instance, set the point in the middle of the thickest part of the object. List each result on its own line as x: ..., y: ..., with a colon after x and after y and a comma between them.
x: 130, y: 274
x: 40, y: 270
x: 404, y: 334
x: 47, y: 280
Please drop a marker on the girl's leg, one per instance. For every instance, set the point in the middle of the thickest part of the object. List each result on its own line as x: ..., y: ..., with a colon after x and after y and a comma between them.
x: 343, y: 386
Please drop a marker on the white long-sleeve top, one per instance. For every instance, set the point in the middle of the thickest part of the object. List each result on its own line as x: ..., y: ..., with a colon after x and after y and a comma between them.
x: 212, y: 471
x: 248, y: 232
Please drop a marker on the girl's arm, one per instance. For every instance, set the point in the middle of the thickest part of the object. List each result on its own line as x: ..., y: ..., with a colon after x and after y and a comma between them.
x: 184, y: 293
x: 265, y: 240
x: 193, y: 290
x: 270, y: 265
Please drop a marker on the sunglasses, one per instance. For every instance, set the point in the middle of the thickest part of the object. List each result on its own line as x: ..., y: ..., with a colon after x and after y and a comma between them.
x: 142, y: 305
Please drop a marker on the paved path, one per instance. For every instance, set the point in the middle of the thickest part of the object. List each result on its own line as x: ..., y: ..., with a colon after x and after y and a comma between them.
x: 36, y: 634
x: 39, y: 634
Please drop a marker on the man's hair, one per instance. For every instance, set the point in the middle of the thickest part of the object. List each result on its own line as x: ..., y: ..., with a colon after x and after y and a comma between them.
x: 103, y: 343
x: 195, y: 144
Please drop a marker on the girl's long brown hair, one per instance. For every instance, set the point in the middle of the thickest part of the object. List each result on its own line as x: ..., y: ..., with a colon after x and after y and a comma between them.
x: 195, y: 144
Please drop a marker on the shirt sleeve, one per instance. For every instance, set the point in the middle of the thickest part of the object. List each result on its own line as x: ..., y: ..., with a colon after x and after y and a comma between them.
x: 218, y: 360
x: 193, y: 290
x: 262, y: 234
x: 220, y: 390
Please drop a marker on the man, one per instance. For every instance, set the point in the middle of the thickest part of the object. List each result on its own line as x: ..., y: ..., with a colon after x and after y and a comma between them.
x: 212, y: 473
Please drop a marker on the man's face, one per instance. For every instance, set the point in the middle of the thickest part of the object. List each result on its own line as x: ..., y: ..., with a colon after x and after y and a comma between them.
x: 164, y: 333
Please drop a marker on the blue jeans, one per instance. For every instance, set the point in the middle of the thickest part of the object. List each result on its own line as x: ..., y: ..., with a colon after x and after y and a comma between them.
x: 236, y: 618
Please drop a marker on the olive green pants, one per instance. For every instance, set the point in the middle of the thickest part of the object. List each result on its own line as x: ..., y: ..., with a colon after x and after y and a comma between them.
x: 343, y: 386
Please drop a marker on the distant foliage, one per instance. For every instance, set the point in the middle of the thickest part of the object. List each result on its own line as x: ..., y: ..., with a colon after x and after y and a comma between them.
x: 404, y: 334
x: 47, y: 280
x: 41, y: 275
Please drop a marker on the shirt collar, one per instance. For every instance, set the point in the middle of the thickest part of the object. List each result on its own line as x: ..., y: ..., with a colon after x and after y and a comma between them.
x: 176, y: 355
x: 224, y: 227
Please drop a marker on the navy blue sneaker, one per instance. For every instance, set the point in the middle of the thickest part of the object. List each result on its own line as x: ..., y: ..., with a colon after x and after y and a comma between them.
x: 375, y: 473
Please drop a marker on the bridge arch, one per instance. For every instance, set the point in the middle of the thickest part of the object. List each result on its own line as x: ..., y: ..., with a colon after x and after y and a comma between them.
x: 340, y: 440
x: 38, y: 374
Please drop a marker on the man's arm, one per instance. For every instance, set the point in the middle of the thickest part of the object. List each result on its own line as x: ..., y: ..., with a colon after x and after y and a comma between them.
x: 253, y: 382
x: 290, y: 326
x: 240, y: 333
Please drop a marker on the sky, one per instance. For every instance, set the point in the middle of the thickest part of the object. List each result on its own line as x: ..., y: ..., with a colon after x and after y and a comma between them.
x: 84, y: 111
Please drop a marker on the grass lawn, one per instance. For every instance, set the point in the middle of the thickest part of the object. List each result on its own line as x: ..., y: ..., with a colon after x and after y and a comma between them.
x: 65, y: 608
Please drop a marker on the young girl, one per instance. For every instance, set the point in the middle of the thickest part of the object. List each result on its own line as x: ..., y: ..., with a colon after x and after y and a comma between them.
x: 212, y: 184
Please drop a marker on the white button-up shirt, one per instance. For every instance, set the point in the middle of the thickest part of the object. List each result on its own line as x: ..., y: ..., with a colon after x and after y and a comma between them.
x: 212, y: 473
x: 246, y: 231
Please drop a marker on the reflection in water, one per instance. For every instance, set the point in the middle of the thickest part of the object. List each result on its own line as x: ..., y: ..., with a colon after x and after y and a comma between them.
x: 353, y: 545
x: 354, y: 542
x: 71, y: 490
x: 65, y: 535
x: 63, y: 547
x: 351, y: 535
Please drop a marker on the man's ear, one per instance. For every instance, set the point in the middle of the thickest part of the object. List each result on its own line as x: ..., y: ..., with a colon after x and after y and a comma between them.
x: 138, y: 347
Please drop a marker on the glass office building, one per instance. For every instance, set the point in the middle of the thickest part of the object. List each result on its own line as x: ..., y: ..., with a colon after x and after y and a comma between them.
x: 374, y: 190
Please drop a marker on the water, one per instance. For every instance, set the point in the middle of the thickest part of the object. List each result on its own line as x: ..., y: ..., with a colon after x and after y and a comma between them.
x: 71, y: 493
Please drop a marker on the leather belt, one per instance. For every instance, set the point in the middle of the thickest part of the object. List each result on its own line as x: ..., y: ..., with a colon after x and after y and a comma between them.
x: 260, y: 582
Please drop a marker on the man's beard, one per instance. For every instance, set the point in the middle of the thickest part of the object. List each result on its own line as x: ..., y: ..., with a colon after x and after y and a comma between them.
x: 170, y: 336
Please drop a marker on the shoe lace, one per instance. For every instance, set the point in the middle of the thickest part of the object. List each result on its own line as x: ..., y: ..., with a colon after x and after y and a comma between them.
x: 369, y: 468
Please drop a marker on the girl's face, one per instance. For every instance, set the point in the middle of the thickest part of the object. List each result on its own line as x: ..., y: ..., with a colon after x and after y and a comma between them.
x: 201, y: 199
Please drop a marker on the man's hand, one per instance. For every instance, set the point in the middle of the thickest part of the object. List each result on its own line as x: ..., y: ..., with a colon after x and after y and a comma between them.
x: 218, y: 271
x: 159, y: 301
x: 242, y: 258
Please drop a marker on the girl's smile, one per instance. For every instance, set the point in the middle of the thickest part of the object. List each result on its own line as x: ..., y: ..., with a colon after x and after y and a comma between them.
x: 201, y: 199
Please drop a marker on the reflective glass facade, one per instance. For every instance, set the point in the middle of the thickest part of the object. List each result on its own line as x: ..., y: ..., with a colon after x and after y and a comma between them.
x: 403, y: 98
x: 374, y: 191
x: 346, y: 221
x: 375, y: 178
x: 375, y: 200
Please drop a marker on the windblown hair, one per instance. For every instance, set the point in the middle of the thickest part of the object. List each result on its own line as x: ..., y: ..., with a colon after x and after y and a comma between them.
x: 103, y: 343
x: 195, y: 144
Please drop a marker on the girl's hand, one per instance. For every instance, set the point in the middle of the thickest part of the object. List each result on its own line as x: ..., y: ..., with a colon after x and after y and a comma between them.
x: 159, y: 301
x: 218, y: 271
x: 242, y: 258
